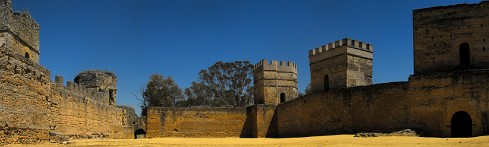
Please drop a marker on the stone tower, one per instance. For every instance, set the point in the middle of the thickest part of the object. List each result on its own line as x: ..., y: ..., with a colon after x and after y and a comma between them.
x: 450, y: 38
x: 19, y: 33
x: 275, y: 82
x: 101, y: 81
x: 343, y: 63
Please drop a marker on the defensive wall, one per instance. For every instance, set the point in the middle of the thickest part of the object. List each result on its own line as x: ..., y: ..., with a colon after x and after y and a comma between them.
x: 33, y: 108
x: 376, y: 108
x: 447, y: 96
x: 440, y: 32
x: 197, y: 122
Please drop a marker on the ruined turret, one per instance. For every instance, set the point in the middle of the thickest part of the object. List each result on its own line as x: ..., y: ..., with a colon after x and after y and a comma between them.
x: 102, y: 81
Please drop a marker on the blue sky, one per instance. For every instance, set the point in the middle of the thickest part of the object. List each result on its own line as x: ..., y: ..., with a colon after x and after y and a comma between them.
x: 177, y: 38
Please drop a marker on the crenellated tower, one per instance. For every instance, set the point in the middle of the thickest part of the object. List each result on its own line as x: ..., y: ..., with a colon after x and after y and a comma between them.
x: 343, y: 63
x: 19, y: 33
x: 275, y: 82
x: 449, y: 38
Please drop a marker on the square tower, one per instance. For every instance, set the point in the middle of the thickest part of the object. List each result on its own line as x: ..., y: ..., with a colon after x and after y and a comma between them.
x: 343, y: 63
x: 19, y: 32
x: 275, y: 82
x: 448, y: 38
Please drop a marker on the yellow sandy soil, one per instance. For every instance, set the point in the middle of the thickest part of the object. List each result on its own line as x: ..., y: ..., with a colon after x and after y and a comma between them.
x: 335, y: 140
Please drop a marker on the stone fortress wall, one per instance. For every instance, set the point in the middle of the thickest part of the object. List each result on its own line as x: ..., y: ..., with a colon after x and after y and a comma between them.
x: 447, y: 96
x: 33, y: 108
x: 439, y: 32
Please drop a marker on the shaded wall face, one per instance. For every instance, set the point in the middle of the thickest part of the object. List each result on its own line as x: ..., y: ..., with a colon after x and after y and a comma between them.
x: 376, y: 108
x: 335, y: 69
x: 435, y: 98
x: 25, y: 98
x: 359, y: 71
x: 197, y: 122
x: 439, y: 33
x: 271, y: 85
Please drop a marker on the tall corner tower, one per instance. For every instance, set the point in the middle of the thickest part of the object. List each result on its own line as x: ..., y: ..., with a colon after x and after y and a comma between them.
x: 19, y: 33
x: 449, y: 38
x: 343, y: 63
x: 275, y: 82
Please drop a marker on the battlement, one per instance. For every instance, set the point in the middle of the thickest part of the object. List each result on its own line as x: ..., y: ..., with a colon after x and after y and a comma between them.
x: 80, y: 90
x: 274, y: 65
x: 483, y: 3
x: 340, y: 43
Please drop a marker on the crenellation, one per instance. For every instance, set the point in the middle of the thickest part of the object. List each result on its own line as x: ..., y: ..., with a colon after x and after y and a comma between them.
x: 340, y: 43
x: 275, y: 81
x: 59, y: 80
x: 70, y: 85
x: 274, y: 65
x: 347, y: 63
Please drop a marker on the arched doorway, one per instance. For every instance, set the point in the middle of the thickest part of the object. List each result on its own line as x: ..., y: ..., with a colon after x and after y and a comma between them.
x: 326, y: 82
x: 139, y: 133
x: 282, y: 97
x: 464, y: 54
x: 461, y: 125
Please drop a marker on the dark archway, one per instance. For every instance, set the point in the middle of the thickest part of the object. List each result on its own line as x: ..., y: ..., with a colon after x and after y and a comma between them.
x: 139, y: 133
x: 282, y: 97
x: 26, y: 55
x: 461, y: 125
x: 326, y: 82
x: 464, y: 54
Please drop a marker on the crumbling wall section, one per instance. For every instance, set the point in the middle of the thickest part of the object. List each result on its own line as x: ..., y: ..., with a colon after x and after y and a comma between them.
x: 27, y: 109
x: 82, y: 115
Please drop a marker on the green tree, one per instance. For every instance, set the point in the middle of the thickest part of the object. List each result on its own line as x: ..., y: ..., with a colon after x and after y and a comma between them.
x: 229, y: 83
x: 198, y: 94
x: 160, y: 92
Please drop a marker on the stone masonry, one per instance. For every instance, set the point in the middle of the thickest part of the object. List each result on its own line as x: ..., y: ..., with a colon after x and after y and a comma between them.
x: 275, y: 82
x: 447, y: 96
x: 449, y: 36
x: 343, y: 63
x: 35, y: 109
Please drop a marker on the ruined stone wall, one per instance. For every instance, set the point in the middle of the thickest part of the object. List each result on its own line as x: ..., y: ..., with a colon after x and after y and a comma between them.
x: 439, y: 33
x: 32, y: 108
x: 376, y: 108
x: 20, y: 24
x: 196, y: 122
x: 434, y: 98
x: 83, y: 115
x: 102, y: 81
x: 27, y: 109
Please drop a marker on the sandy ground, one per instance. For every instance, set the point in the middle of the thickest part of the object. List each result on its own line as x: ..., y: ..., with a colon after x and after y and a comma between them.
x: 335, y: 140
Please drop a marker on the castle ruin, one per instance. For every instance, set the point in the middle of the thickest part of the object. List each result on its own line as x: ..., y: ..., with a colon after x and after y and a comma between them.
x: 33, y: 108
x: 447, y: 96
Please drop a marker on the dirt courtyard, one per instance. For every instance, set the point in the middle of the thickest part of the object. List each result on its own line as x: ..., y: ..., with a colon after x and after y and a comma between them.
x: 334, y: 140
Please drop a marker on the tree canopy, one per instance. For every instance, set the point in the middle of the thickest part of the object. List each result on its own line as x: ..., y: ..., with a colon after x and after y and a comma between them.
x: 160, y: 92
